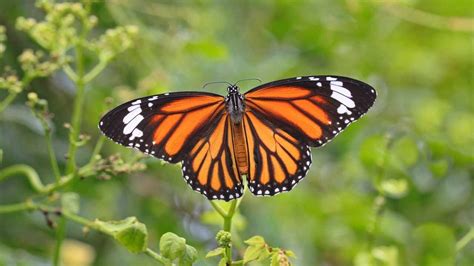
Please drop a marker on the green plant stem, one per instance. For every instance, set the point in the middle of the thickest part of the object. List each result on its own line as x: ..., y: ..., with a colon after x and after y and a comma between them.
x: 157, y: 257
x: 60, y: 234
x: 83, y: 221
x: 69, y: 72
x: 16, y: 207
x: 7, y: 101
x: 65, y: 215
x: 52, y: 155
x: 35, y: 181
x: 465, y: 240
x: 96, y: 70
x: 97, y: 148
x: 77, y: 111
x: 227, y: 217
x: 12, y: 95
x: 26, y: 170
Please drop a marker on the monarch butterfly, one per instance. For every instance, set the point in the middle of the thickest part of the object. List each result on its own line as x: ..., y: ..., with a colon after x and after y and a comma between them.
x: 265, y: 133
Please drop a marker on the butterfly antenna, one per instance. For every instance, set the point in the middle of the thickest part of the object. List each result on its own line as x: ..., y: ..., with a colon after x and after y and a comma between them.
x: 216, y: 82
x: 259, y: 80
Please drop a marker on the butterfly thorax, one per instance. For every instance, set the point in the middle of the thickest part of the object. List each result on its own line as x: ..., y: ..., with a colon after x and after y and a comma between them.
x: 235, y: 104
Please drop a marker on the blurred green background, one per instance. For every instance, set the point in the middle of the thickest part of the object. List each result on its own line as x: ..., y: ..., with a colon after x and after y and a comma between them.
x: 397, y: 185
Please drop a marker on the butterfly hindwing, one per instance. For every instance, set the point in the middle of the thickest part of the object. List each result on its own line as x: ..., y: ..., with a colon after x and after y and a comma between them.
x: 210, y: 167
x: 164, y: 125
x: 313, y: 108
x: 277, y: 160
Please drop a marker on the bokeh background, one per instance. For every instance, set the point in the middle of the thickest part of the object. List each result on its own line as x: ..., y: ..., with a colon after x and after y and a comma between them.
x: 397, y: 185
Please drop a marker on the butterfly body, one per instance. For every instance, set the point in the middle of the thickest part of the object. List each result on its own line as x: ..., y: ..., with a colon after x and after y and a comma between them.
x: 264, y: 134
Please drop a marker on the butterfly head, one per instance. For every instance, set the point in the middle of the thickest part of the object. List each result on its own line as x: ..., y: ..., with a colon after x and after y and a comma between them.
x: 233, y: 89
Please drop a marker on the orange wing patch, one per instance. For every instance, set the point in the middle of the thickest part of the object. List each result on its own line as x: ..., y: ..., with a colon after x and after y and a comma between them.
x: 277, y: 160
x: 184, y: 105
x: 210, y: 167
x: 290, y: 115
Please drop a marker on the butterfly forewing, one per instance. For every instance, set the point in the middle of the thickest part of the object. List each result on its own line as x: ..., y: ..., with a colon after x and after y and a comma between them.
x: 313, y: 108
x: 165, y: 125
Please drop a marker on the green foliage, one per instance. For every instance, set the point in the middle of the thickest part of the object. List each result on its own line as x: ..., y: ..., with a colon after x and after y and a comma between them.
x: 259, y: 250
x: 433, y: 244
x: 129, y: 232
x: 173, y: 247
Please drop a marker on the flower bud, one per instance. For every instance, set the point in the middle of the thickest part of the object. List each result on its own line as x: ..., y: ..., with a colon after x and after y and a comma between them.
x: 223, y: 238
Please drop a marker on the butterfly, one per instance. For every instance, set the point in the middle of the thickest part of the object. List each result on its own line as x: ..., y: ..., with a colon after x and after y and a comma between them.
x: 264, y: 134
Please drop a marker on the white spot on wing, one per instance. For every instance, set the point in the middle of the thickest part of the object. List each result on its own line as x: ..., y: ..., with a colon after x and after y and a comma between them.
x: 342, y: 109
x: 132, y: 124
x: 131, y: 115
x: 136, y: 133
x: 136, y: 102
x: 313, y: 78
x: 343, y: 99
x: 330, y: 78
x: 341, y: 90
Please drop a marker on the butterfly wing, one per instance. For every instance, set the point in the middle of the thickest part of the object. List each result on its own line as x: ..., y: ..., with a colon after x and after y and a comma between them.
x: 210, y: 167
x: 285, y: 117
x: 277, y: 160
x: 166, y: 125
x: 314, y: 108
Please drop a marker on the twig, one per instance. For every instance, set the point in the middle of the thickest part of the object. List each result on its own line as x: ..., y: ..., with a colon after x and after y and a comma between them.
x: 430, y: 20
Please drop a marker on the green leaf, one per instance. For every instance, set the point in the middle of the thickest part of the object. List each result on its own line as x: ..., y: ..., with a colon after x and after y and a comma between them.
x: 215, y: 252
x: 433, y: 244
x: 439, y: 168
x: 223, y: 262
x: 388, y: 256
x: 372, y: 151
x: 290, y: 253
x: 114, y: 227
x: 275, y: 261
x: 190, y: 256
x: 172, y: 246
x: 255, y: 241
x: 129, y: 232
x: 1, y: 155
x: 403, y: 153
x: 70, y: 202
x: 395, y: 188
x: 134, y: 238
x: 258, y: 252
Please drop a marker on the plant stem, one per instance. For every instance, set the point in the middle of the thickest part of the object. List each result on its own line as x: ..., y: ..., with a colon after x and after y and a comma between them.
x: 60, y: 234
x: 7, y: 101
x: 26, y: 170
x: 52, y: 155
x: 97, y: 148
x: 228, y: 227
x: 157, y: 256
x: 78, y: 104
x: 465, y: 240
x: 16, y: 207
x: 12, y: 95
x: 96, y: 70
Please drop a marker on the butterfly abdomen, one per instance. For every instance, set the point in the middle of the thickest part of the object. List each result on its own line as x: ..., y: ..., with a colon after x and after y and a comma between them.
x: 240, y: 148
